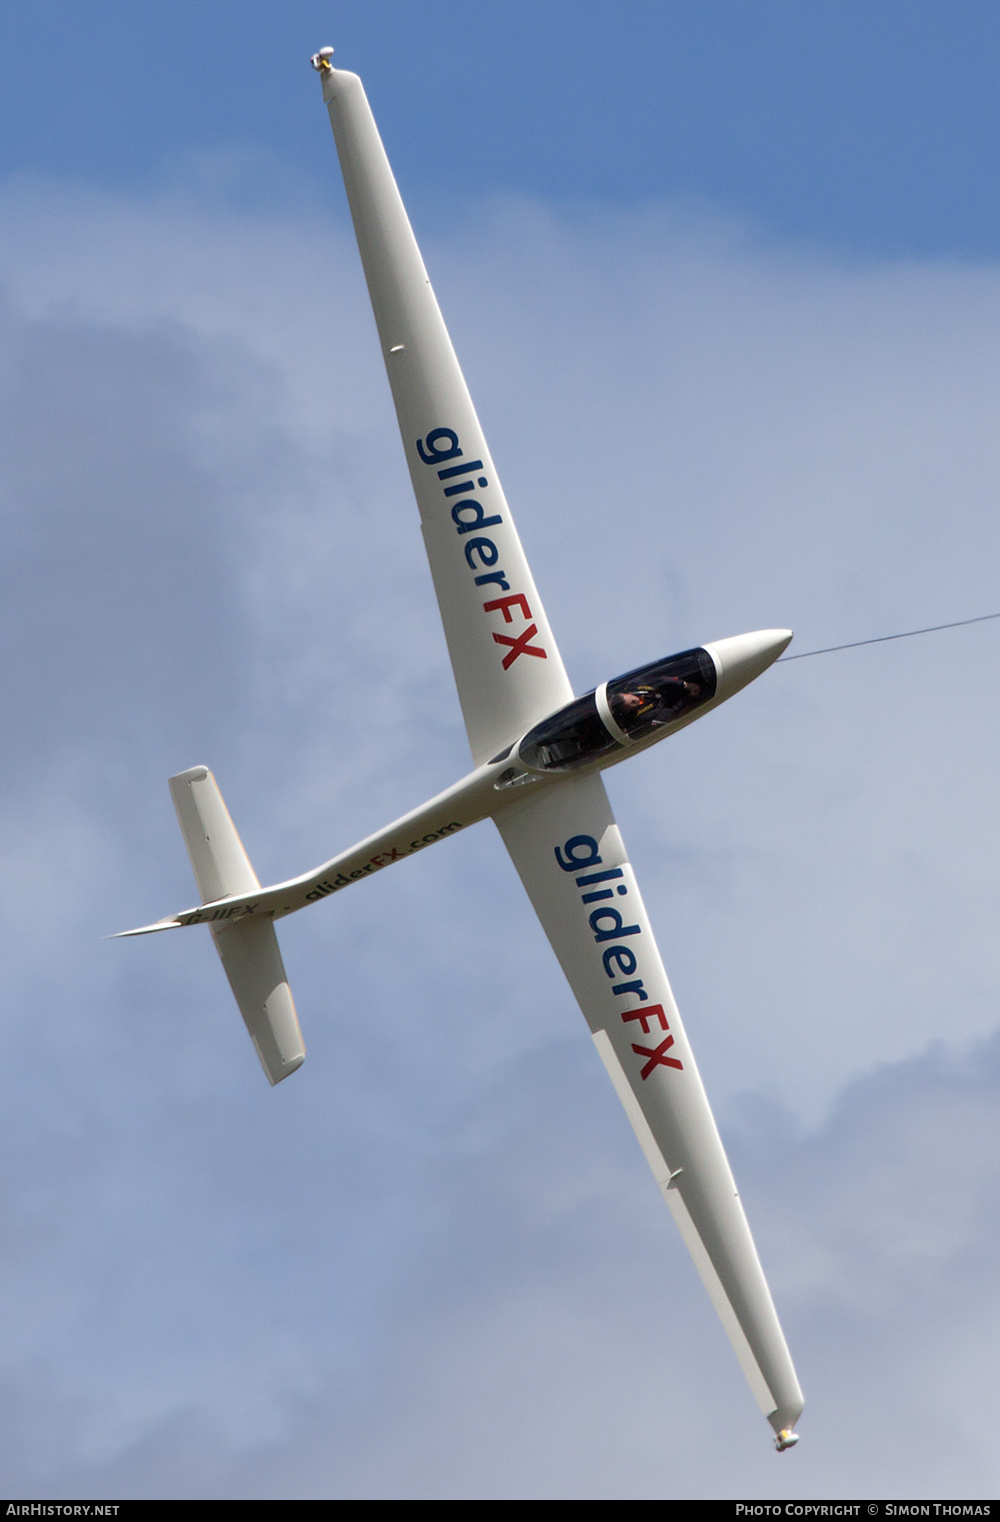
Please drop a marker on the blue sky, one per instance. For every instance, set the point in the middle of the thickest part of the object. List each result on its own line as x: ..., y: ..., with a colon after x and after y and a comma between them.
x: 725, y: 284
x: 870, y: 129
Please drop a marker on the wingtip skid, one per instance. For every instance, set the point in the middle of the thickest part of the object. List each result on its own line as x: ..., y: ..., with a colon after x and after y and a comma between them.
x: 786, y: 1439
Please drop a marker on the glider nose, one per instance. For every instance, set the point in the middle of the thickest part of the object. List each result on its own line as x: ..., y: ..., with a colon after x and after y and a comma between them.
x: 740, y: 659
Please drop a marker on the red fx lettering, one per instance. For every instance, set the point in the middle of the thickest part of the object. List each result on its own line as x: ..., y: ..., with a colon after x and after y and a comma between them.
x: 654, y: 1012
x: 656, y: 1057
x: 385, y: 857
x: 506, y: 603
x: 520, y: 646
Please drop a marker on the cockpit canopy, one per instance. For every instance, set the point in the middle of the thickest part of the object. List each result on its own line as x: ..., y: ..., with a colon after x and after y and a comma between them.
x: 622, y: 712
x: 654, y: 696
x: 567, y: 739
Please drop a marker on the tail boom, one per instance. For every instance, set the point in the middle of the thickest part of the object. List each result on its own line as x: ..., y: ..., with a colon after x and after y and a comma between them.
x: 469, y: 800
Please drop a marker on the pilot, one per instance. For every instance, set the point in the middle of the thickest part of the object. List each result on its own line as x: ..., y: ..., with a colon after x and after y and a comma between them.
x: 647, y: 707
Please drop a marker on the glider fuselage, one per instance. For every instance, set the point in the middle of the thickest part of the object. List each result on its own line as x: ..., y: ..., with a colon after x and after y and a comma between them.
x: 572, y: 742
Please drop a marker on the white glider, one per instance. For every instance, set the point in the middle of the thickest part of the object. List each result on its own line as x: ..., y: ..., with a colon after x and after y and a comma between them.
x: 538, y: 753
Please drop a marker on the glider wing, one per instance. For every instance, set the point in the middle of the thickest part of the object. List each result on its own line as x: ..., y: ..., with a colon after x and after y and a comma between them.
x: 568, y: 851
x: 507, y: 668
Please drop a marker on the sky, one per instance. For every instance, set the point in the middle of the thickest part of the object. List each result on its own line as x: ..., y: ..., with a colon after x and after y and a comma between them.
x: 725, y: 282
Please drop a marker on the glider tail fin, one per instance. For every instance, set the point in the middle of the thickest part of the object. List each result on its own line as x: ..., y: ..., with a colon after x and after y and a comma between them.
x: 247, y: 947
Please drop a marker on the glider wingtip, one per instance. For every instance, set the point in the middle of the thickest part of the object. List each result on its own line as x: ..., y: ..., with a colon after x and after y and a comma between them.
x: 279, y: 1074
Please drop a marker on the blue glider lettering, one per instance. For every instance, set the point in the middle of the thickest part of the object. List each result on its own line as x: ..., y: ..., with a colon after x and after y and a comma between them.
x: 470, y: 516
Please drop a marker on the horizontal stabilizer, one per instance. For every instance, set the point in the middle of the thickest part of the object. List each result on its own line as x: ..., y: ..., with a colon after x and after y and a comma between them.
x: 248, y: 947
x: 250, y: 955
x: 221, y: 866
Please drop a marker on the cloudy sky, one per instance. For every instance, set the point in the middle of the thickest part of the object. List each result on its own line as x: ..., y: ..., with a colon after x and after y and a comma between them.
x: 725, y: 280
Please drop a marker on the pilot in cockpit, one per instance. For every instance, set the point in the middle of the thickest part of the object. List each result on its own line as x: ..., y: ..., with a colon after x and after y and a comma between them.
x: 651, y: 707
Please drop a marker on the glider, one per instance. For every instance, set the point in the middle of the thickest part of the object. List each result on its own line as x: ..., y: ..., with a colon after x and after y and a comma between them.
x: 538, y: 752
